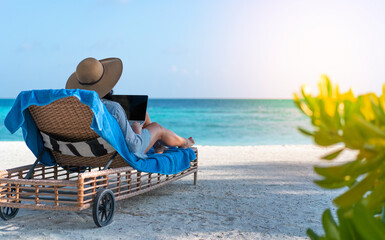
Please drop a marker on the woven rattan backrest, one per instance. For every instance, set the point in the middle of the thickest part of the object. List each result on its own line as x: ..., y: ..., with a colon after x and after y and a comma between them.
x: 66, y: 119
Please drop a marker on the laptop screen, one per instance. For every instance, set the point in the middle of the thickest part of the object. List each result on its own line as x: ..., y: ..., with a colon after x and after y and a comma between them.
x: 134, y: 105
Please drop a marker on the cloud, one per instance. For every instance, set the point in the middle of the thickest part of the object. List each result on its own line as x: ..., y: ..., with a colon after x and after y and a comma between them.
x: 25, y: 47
x: 183, y: 71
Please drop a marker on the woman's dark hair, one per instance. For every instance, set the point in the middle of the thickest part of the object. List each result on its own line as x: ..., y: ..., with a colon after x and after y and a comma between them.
x: 109, y: 95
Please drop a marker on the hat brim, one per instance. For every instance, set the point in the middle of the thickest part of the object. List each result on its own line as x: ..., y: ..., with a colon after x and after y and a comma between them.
x: 113, y: 68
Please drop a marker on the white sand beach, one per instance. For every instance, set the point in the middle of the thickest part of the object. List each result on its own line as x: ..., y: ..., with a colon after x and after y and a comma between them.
x: 255, y: 192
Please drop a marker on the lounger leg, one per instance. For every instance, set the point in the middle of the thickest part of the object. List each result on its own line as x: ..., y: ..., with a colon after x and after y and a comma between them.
x: 32, y: 169
x: 195, y: 177
x: 110, y: 161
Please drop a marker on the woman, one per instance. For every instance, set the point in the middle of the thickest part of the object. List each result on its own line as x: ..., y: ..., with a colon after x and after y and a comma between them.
x: 101, y: 76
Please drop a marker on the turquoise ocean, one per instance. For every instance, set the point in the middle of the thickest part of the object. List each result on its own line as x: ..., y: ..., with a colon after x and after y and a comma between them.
x: 219, y: 122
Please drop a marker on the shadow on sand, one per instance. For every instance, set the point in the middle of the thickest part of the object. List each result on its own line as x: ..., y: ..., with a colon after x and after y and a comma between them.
x: 253, y: 201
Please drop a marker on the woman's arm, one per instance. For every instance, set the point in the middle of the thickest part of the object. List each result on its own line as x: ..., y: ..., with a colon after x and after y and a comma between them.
x: 147, y: 121
x: 136, y: 127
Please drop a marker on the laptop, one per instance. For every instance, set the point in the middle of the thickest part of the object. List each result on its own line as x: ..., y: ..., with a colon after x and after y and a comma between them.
x: 135, y: 106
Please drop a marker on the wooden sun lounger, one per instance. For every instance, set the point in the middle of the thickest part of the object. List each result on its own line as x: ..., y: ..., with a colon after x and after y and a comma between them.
x: 89, y: 181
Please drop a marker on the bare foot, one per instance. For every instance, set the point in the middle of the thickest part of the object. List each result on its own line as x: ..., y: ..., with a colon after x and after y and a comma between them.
x: 189, y: 143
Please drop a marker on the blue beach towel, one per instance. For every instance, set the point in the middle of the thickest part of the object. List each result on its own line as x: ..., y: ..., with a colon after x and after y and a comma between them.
x: 103, y: 123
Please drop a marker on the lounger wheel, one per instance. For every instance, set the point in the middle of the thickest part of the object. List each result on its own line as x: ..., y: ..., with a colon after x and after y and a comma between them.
x: 104, y: 207
x: 8, y: 213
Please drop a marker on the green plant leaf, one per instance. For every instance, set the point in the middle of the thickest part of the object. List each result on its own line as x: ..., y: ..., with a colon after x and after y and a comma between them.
x: 333, y: 184
x: 337, y: 117
x: 347, y: 173
x: 346, y: 228
x: 352, y: 136
x: 306, y: 107
x: 379, y: 113
x: 306, y: 132
x: 369, y: 128
x: 333, y: 155
x: 308, y: 99
x: 324, y: 138
x: 366, y: 224
x: 377, y: 197
x: 329, y: 87
x: 338, y: 172
x: 348, y: 110
x: 326, y: 112
x: 312, y: 235
x: 355, y: 194
x: 330, y: 226
x: 383, y: 214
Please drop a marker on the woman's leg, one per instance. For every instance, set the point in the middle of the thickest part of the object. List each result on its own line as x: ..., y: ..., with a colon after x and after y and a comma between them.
x: 167, y: 136
x: 159, y: 147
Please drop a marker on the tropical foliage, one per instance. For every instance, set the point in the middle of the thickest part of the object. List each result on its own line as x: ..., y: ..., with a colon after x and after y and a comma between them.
x: 357, y: 123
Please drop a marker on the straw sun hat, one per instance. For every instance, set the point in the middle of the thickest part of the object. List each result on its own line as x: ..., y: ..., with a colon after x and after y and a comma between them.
x: 98, y: 75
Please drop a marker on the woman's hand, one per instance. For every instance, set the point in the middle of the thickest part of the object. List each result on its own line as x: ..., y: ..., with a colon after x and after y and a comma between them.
x: 136, y: 127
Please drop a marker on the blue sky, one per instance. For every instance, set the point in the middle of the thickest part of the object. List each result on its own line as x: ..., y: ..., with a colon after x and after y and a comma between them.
x: 195, y: 49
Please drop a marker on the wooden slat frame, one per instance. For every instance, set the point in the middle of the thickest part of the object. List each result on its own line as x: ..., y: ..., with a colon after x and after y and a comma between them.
x: 57, y: 188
